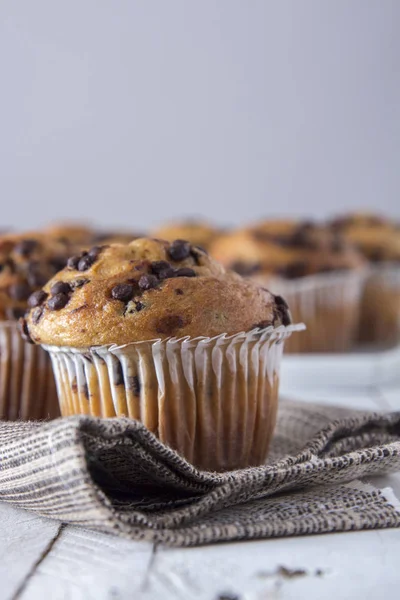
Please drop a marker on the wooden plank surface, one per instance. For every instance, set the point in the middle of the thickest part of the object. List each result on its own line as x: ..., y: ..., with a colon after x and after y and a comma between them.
x: 25, y: 540
x: 74, y: 564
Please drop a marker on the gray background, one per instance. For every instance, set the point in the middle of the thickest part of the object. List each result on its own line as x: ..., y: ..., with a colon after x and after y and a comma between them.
x: 130, y: 112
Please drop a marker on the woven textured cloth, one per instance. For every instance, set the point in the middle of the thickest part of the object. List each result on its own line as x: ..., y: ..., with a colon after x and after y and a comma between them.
x: 114, y: 476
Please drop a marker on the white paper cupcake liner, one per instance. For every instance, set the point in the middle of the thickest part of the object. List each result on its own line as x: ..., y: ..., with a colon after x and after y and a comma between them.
x: 27, y: 387
x: 214, y: 400
x: 380, y: 307
x: 328, y: 303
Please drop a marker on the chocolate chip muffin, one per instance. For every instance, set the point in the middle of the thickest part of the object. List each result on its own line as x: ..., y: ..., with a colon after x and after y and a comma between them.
x: 27, y: 387
x: 160, y: 332
x: 197, y: 232
x: 287, y: 249
x: 74, y: 235
x: 116, y: 236
x: 378, y: 239
x: 315, y: 268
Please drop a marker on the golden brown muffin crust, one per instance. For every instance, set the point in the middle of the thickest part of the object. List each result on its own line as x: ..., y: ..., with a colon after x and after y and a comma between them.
x: 145, y: 290
x: 285, y: 248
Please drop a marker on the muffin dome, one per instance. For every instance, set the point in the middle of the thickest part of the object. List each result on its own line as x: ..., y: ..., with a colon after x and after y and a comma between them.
x: 27, y: 262
x: 285, y: 248
x: 145, y: 290
x: 376, y: 237
x: 198, y: 233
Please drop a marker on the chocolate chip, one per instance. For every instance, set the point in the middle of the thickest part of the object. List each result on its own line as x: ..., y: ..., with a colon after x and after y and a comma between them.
x: 26, y: 247
x: 58, y: 263
x: 377, y: 255
x: 147, y: 282
x: 19, y: 291
x: 85, y: 262
x: 95, y: 251
x: 13, y: 313
x: 179, y: 292
x: 245, y: 269
x: 37, y: 298
x: 162, y: 269
x: 36, y: 314
x: 169, y: 324
x: 77, y: 283
x: 179, y: 250
x: 118, y: 374
x: 123, y: 292
x: 139, y: 305
x: 282, y: 311
x: 185, y: 272
x: 73, y: 261
x: 133, y: 383
x: 23, y: 327
x: 60, y: 287
x: 58, y: 301
x: 36, y: 278
x: 301, y: 238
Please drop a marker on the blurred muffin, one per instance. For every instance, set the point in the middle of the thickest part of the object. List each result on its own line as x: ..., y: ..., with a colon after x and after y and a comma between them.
x: 379, y: 241
x: 181, y: 322
x: 286, y: 249
x: 197, y: 232
x: 115, y: 236
x: 377, y: 238
x: 74, y: 235
x: 27, y: 387
x: 313, y: 267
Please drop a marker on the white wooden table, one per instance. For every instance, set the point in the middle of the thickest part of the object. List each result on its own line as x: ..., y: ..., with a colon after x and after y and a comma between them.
x: 42, y: 560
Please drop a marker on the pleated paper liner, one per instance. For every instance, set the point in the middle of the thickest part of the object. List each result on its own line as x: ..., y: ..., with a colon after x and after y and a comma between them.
x: 328, y: 303
x: 214, y: 400
x: 27, y: 387
x: 380, y: 307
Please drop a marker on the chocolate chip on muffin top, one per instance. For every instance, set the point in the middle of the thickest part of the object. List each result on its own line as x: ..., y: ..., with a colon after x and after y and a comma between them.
x: 145, y: 290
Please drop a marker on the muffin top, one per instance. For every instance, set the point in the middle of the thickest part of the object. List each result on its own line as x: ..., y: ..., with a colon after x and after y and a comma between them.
x: 116, y: 236
x: 27, y: 262
x: 285, y: 248
x: 376, y: 237
x: 198, y: 233
x: 70, y: 233
x: 145, y: 290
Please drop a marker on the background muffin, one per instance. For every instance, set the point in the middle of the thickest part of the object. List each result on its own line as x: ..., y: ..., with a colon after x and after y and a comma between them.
x: 285, y: 248
x: 379, y: 241
x: 162, y: 333
x: 197, y: 232
x: 27, y: 387
x: 315, y: 268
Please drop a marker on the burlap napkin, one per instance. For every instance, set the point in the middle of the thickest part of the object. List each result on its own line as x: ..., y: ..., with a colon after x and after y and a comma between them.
x: 114, y: 476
